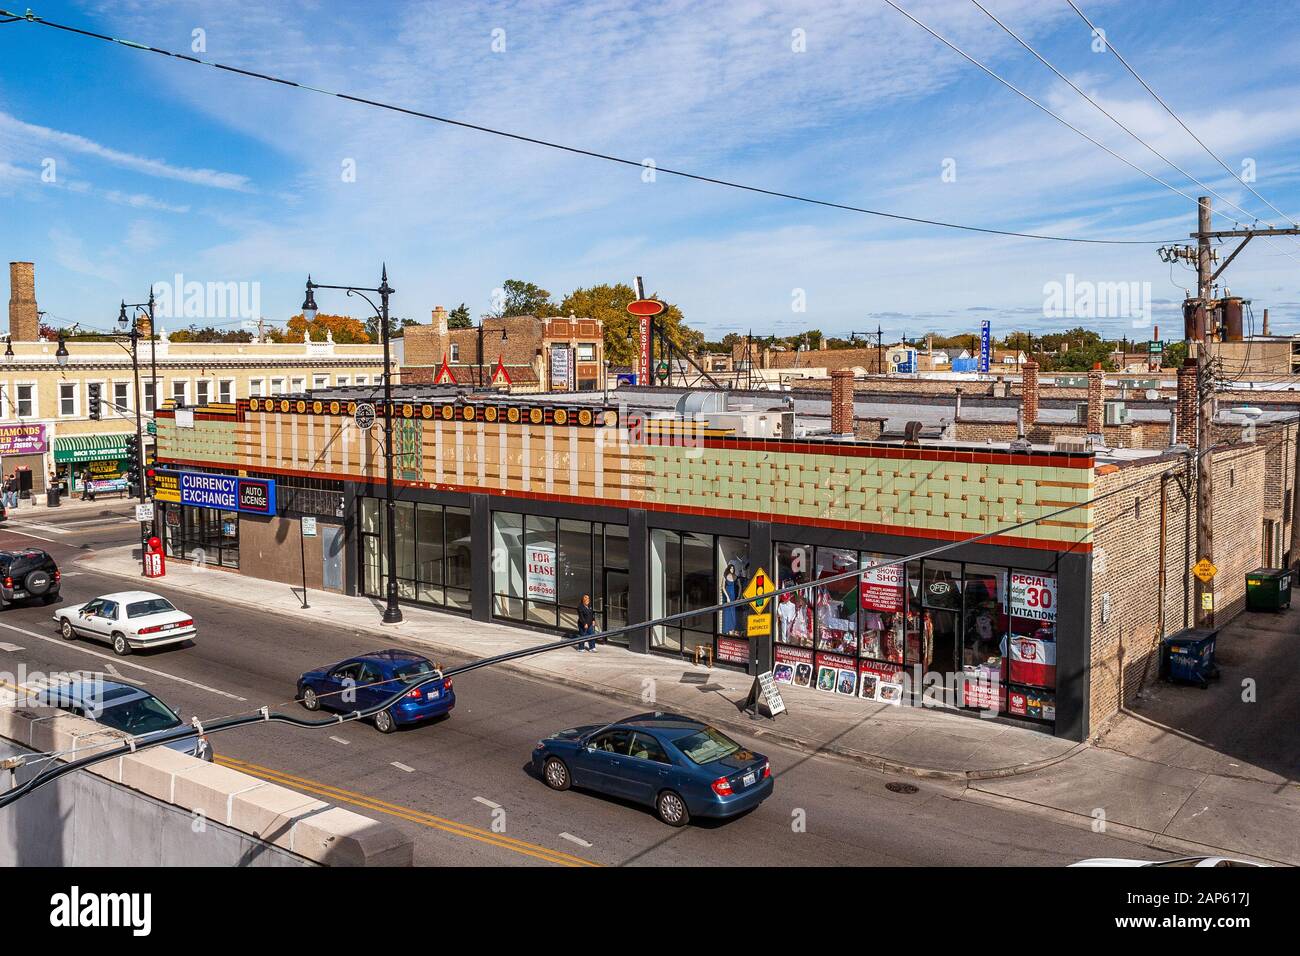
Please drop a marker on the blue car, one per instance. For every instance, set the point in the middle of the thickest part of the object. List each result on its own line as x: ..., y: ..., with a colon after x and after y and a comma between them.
x: 370, y: 679
x: 123, y: 707
x: 677, y: 765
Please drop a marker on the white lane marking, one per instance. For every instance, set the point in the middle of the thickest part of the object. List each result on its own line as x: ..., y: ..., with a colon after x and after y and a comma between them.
x: 5, y: 646
x: 102, y: 519
x: 116, y: 673
x: 487, y: 803
x: 25, y: 534
x: 339, y: 740
x: 573, y: 839
x: 403, y: 767
x: 39, y: 527
x: 73, y: 646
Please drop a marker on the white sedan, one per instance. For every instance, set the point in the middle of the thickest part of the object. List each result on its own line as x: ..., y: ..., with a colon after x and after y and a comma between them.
x: 1193, y: 861
x: 128, y: 620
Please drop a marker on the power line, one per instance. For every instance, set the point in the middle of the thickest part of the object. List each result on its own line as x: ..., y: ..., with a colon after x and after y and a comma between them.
x: 1109, y: 46
x: 580, y: 151
x: 1011, y: 33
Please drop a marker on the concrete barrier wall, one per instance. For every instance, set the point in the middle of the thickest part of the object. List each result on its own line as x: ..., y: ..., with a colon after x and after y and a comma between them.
x: 163, y: 808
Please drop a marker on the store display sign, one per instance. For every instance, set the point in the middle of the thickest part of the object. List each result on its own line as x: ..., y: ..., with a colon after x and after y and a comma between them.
x: 794, y: 665
x: 1033, y: 661
x: 733, y: 650
x: 882, y: 588
x: 560, y: 366
x: 1031, y: 704
x: 23, y: 440
x: 643, y: 359
x: 837, y: 674
x: 1033, y: 596
x: 223, y: 492
x: 541, y: 574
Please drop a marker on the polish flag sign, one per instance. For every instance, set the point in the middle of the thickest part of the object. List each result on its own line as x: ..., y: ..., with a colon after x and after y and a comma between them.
x: 1033, y: 661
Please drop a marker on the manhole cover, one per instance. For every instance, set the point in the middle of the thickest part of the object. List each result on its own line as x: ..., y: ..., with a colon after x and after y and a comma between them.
x: 902, y: 788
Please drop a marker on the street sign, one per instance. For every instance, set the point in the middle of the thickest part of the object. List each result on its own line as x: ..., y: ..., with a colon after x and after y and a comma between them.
x: 364, y: 416
x: 144, y: 512
x: 759, y: 585
x: 152, y: 427
x: 308, y: 526
x: 1207, y: 601
x: 1205, y: 570
x: 758, y: 625
x: 1154, y: 347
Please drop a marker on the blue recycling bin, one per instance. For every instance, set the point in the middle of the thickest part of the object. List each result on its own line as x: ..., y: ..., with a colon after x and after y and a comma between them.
x: 1188, y: 657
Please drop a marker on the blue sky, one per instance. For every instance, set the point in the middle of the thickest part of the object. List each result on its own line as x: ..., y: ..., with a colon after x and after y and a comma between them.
x: 163, y: 167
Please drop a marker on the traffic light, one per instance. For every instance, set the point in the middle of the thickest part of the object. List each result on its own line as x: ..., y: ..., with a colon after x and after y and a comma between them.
x: 133, y: 461
x: 93, y: 388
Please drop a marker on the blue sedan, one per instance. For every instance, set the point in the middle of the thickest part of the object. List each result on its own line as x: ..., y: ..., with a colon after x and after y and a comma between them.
x: 370, y: 679
x: 677, y: 765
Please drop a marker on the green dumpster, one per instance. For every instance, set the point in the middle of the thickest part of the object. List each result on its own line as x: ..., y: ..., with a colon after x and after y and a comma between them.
x: 1268, y: 589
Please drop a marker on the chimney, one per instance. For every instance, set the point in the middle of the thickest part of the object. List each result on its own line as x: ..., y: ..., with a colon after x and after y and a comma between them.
x: 1264, y: 331
x: 439, y: 321
x: 1096, y: 399
x: 1029, y: 392
x: 1187, y: 408
x: 842, y: 403
x: 24, y: 323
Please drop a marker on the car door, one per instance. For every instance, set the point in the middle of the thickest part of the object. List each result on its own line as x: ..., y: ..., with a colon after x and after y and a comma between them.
x: 81, y: 619
x: 602, y: 761
x: 338, y: 681
x: 372, y: 689
x: 100, y: 622
x: 646, y: 769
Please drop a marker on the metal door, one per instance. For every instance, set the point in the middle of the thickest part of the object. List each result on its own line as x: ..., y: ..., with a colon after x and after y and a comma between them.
x: 331, y: 549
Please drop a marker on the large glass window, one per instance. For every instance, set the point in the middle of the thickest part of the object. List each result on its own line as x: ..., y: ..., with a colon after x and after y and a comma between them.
x: 794, y: 615
x: 202, y: 536
x: 508, y: 565
x: 432, y: 552
x: 733, y: 623
x: 539, y: 570
x: 837, y: 602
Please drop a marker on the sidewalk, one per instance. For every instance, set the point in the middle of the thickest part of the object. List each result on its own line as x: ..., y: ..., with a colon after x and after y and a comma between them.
x: 1168, y: 807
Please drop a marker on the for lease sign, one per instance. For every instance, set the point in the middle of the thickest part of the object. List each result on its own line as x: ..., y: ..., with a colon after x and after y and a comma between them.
x: 1033, y: 596
x: 540, y: 575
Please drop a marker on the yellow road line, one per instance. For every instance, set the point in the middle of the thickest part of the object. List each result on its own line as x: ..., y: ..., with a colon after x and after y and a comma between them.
x: 405, y: 813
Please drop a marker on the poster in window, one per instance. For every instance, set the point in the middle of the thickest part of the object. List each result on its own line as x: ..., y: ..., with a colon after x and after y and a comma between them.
x: 799, y: 660
x: 847, y: 683
x: 826, y: 678
x: 881, y: 588
x: 890, y: 693
x: 783, y: 673
x: 733, y: 650
x: 1033, y: 596
x: 867, y: 686
x: 541, y: 574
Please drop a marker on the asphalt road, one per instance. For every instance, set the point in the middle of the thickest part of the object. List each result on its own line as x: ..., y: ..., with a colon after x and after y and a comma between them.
x: 462, y: 787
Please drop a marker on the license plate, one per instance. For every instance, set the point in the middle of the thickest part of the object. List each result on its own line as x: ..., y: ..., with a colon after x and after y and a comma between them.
x: 433, y: 694
x: 168, y: 627
x: 19, y: 594
x: 748, y: 779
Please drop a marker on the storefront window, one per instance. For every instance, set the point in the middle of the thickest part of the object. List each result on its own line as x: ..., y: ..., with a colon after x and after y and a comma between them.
x: 429, y: 553
x: 733, y: 576
x: 794, y: 618
x: 614, y: 588
x: 460, y: 567
x: 1032, y: 657
x: 984, y: 636
x: 539, y: 570
x: 837, y: 603
x: 665, y: 588
x: 202, y: 536
x: 508, y: 565
x: 432, y: 552
x: 574, y: 569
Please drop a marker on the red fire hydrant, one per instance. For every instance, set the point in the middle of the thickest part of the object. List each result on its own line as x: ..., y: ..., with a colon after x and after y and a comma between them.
x: 155, y: 563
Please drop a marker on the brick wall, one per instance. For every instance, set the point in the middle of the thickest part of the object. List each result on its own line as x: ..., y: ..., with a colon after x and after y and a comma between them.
x: 1126, y: 579
x: 1132, y: 435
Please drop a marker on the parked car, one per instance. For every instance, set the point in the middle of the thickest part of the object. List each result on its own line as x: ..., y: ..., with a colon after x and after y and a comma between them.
x: 1195, y: 861
x: 370, y: 679
x: 679, y: 766
x: 125, y: 707
x: 26, y: 574
x: 128, y: 620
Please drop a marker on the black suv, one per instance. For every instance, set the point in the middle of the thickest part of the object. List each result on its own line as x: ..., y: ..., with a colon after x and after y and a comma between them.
x: 28, y: 574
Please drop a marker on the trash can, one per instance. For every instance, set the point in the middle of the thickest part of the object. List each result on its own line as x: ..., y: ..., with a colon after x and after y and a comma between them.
x: 52, y: 496
x: 1268, y: 589
x: 1188, y: 657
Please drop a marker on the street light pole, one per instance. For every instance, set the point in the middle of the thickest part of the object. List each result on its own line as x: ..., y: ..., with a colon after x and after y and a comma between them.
x: 392, y: 612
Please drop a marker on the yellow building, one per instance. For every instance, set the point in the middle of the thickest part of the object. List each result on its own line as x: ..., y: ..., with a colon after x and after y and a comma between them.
x: 45, y: 424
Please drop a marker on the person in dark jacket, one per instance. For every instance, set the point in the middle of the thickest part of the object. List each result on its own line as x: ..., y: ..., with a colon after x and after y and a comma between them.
x: 586, y: 624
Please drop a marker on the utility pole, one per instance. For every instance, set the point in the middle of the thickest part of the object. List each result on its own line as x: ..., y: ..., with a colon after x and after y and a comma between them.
x: 1204, y: 418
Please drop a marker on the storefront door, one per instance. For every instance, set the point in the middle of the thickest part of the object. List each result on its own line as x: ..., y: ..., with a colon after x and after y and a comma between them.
x: 615, y: 605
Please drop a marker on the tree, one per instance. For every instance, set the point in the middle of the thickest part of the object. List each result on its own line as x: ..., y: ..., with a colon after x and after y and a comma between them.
x: 1174, y: 355
x: 609, y: 304
x: 395, y: 327
x: 459, y: 318
x: 205, y: 334
x: 345, y: 329
x: 523, y: 298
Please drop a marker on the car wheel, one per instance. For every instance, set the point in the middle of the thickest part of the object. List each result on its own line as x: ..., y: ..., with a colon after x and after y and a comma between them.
x: 384, y: 722
x: 556, y: 774
x: 65, y: 629
x: 671, y: 809
x: 120, y: 647
x: 309, y: 699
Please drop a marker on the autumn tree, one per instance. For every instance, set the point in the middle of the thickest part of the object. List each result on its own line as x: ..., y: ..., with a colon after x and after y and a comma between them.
x: 609, y: 304
x: 345, y: 329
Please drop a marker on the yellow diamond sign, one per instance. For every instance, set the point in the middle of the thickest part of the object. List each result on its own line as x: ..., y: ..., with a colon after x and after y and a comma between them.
x: 759, y: 585
x: 1205, y: 570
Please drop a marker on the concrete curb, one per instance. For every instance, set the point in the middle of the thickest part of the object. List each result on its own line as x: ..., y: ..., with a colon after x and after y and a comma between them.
x: 871, y: 761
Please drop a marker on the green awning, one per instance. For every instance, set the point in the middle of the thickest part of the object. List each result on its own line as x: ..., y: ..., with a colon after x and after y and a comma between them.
x: 89, y: 447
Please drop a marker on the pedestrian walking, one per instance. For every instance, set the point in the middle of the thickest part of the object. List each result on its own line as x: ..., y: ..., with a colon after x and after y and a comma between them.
x: 87, y: 492
x: 586, y: 624
x: 11, y: 489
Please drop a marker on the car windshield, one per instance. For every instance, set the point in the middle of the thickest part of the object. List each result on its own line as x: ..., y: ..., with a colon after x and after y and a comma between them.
x: 143, y: 716
x: 151, y: 606
x: 412, y: 672
x: 707, y: 745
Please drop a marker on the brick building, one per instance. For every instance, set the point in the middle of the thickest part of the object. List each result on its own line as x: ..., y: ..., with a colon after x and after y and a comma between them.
x: 519, y: 354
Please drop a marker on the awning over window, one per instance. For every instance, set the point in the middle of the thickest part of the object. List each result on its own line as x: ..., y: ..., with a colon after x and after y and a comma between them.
x: 89, y: 447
